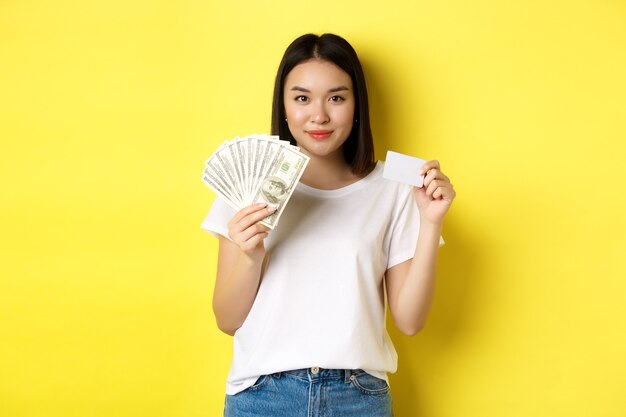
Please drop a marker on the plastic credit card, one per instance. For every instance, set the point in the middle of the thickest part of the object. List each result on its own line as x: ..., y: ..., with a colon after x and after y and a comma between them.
x: 404, y: 168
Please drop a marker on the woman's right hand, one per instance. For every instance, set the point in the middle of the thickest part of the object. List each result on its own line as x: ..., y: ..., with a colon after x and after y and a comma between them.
x: 247, y: 233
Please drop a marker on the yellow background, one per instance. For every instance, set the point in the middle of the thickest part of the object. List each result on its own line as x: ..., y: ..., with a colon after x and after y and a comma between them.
x: 108, y: 110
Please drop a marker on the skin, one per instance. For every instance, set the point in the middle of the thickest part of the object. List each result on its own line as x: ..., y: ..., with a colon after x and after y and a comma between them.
x: 318, y: 98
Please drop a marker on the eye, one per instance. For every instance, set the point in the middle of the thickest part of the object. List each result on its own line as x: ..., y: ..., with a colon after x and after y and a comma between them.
x: 302, y: 99
x: 337, y: 99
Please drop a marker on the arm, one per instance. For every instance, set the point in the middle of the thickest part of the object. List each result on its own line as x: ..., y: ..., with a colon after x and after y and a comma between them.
x: 239, y: 265
x: 411, y: 284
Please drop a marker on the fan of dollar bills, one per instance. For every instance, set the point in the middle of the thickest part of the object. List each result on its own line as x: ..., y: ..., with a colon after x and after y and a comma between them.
x: 255, y: 169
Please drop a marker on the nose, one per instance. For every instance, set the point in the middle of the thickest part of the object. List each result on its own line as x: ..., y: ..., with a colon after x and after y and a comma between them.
x: 320, y: 115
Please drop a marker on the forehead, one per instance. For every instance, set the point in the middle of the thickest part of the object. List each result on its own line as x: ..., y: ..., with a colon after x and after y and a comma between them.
x: 315, y: 73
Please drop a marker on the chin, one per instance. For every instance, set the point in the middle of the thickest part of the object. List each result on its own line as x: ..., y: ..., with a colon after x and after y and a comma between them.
x: 322, y: 153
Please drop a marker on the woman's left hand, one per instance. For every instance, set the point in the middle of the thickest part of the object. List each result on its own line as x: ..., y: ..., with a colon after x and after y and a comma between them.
x: 435, y: 197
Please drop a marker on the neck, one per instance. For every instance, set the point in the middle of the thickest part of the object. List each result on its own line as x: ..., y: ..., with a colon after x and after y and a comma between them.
x: 328, y: 174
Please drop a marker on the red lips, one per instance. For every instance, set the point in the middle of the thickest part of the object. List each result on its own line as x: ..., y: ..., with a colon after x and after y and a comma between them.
x: 319, y: 134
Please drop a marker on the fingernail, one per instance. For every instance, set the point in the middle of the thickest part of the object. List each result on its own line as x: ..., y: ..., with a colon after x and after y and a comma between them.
x: 272, y: 209
x: 262, y: 204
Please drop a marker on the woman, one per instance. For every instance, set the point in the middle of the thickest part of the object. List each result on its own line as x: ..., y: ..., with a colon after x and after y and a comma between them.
x: 306, y: 301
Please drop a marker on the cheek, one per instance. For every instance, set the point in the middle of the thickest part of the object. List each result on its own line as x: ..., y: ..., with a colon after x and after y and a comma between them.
x: 295, y: 113
x: 345, y: 115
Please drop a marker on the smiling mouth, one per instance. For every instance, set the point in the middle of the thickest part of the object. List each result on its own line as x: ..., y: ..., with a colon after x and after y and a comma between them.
x: 319, y: 134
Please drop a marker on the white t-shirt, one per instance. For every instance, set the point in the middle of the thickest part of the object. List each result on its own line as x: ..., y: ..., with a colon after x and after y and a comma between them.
x: 321, y: 298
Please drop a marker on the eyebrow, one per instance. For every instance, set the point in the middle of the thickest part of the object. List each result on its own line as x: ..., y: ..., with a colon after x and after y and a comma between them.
x: 332, y: 90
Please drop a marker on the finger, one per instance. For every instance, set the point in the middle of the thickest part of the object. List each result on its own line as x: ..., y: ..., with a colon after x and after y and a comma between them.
x: 440, y: 175
x: 435, y: 174
x: 251, y: 237
x: 250, y: 232
x: 243, y: 231
x: 255, y: 240
x: 246, y: 211
x: 257, y: 216
x: 432, y: 187
x: 444, y: 192
x: 434, y: 164
x: 449, y: 193
x: 235, y: 231
x: 251, y: 218
x: 420, y: 194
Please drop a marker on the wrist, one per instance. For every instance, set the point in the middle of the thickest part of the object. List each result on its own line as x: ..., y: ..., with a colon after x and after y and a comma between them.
x: 252, y: 260
x: 430, y: 231
x: 435, y: 225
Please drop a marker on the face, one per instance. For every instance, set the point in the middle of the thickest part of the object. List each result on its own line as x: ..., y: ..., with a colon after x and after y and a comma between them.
x: 319, y: 106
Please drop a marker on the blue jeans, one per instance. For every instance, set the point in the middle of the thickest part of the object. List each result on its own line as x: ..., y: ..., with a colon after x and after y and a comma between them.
x: 313, y: 392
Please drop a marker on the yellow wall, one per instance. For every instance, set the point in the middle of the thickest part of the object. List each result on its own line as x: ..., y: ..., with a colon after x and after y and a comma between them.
x: 108, y: 110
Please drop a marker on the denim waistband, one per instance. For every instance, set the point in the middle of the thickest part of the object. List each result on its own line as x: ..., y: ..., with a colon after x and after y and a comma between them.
x: 316, y: 373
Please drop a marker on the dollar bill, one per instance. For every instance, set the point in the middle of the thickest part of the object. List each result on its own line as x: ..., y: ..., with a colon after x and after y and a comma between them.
x: 228, y: 169
x: 255, y: 169
x: 221, y: 177
x: 278, y: 185
x: 269, y: 154
x: 214, y: 184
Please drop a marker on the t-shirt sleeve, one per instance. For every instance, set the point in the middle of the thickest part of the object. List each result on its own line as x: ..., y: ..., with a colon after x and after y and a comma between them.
x: 216, y: 222
x: 405, y: 229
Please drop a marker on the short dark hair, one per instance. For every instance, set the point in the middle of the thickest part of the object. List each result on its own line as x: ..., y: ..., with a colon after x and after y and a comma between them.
x: 359, y: 147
